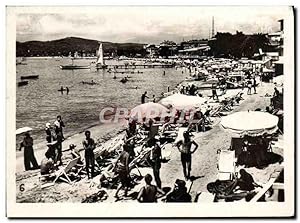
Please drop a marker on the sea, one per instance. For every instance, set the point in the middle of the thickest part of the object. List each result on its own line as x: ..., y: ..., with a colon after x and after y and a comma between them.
x: 40, y: 101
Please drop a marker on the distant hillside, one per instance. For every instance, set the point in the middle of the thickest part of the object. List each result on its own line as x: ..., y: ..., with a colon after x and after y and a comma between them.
x: 73, y: 44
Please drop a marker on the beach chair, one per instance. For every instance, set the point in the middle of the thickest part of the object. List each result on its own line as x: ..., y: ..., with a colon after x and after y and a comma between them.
x: 62, y: 173
x: 196, y: 125
x: 215, y: 112
x: 226, y: 165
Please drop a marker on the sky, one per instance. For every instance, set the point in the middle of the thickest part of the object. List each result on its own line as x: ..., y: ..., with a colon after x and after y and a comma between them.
x: 144, y: 24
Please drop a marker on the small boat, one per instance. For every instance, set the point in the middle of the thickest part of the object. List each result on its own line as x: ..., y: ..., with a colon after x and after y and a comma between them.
x: 90, y: 83
x: 22, y: 83
x: 73, y: 67
x: 30, y: 77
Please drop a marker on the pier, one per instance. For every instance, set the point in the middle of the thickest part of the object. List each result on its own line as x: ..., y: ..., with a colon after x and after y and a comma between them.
x: 140, y: 66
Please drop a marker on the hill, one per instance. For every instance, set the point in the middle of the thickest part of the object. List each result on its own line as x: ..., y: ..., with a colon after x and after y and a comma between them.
x: 72, y: 44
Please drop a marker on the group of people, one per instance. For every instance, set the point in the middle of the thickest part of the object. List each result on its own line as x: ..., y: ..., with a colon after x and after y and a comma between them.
x: 251, y: 83
x: 144, y: 96
x: 54, y: 138
x: 188, y: 90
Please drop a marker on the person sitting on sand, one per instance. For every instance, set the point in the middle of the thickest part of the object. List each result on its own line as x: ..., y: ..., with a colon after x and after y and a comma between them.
x: 179, y: 193
x: 47, y: 164
x: 245, y: 182
x: 148, y: 193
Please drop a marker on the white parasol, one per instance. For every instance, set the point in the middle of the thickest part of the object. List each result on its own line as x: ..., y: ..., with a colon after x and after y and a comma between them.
x: 23, y: 130
x: 148, y: 110
x: 181, y: 101
x: 251, y: 123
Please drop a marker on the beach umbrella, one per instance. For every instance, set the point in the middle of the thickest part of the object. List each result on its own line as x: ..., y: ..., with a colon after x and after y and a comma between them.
x: 250, y: 123
x: 148, y: 110
x: 181, y: 101
x: 23, y: 130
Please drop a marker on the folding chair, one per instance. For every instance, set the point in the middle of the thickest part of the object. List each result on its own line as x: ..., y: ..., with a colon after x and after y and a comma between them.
x: 226, y: 165
x: 215, y: 112
x: 196, y: 126
x: 62, y: 173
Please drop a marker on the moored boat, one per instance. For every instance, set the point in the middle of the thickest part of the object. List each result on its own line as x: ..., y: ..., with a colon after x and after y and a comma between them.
x: 73, y: 67
x: 22, y: 83
x: 29, y: 77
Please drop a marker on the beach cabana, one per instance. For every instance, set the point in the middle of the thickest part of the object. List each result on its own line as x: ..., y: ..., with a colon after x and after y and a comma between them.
x: 249, y: 131
x: 183, y: 102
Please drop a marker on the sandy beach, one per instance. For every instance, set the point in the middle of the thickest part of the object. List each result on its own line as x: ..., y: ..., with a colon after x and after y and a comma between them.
x: 204, y: 161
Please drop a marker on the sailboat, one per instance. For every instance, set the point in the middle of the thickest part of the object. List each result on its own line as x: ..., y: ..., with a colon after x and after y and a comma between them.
x: 72, y: 66
x: 100, y: 60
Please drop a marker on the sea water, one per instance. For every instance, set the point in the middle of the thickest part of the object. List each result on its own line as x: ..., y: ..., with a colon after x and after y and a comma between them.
x: 40, y: 101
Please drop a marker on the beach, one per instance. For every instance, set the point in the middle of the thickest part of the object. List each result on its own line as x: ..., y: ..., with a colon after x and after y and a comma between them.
x: 204, y: 161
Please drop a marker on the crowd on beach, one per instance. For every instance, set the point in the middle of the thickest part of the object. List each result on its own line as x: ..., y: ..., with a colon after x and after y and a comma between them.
x: 150, y: 137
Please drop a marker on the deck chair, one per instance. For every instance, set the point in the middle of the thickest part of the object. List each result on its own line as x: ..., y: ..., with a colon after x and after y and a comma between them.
x: 215, y: 112
x: 62, y: 173
x: 226, y: 165
x: 196, y: 126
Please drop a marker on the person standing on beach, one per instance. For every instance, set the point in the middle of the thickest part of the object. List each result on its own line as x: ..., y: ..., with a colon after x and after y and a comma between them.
x: 153, y: 99
x: 29, y: 157
x: 254, y: 85
x: 122, y: 170
x: 89, y: 146
x: 214, y: 92
x: 155, y: 157
x: 249, y: 85
x: 48, y: 131
x: 59, y: 124
x: 144, y: 96
x: 184, y: 148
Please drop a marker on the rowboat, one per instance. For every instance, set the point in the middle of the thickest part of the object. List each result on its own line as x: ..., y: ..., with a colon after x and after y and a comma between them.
x: 30, y: 77
x: 73, y: 67
x: 22, y: 83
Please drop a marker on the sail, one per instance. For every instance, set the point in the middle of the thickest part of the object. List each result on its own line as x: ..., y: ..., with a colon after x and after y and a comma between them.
x: 100, y: 59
